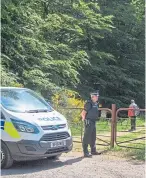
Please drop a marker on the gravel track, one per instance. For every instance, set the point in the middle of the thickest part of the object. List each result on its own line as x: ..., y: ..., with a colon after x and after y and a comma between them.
x: 73, y: 165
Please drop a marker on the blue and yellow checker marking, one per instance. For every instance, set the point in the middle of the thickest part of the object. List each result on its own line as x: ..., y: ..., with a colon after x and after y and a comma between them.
x: 2, y: 124
x: 9, y: 128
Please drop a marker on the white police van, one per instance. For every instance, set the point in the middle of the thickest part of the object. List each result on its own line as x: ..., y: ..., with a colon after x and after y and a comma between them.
x: 30, y: 127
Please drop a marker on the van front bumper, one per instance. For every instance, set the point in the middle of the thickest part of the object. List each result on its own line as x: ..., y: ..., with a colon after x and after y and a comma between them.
x: 29, y: 150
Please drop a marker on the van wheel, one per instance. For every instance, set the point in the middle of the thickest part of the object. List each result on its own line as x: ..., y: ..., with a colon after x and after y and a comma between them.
x: 54, y: 157
x: 6, y: 158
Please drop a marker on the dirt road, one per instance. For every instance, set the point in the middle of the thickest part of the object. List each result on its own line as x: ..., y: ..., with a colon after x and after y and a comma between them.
x: 73, y: 165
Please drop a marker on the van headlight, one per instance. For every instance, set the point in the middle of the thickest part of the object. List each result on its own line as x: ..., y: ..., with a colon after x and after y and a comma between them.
x: 23, y: 126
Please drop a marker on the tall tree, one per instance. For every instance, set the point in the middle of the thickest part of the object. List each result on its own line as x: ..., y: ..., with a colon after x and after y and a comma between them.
x: 121, y: 71
x: 39, y: 40
x: 75, y: 44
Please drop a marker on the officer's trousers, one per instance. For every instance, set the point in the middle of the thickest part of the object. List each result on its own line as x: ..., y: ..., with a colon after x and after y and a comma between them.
x: 89, y: 136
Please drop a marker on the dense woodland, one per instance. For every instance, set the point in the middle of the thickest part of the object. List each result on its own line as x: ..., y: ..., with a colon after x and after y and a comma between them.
x: 56, y: 45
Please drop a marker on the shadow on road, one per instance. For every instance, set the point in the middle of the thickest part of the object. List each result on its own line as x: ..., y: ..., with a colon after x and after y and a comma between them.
x: 37, y: 165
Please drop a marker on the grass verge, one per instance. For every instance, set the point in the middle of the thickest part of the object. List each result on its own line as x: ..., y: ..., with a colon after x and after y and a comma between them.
x: 103, y: 130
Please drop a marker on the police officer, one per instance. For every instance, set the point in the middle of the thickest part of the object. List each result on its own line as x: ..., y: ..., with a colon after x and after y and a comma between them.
x: 89, y: 116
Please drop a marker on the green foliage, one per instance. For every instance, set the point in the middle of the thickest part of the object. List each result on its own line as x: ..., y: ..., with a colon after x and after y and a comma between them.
x: 48, y: 45
x: 122, y: 78
x: 64, y: 99
x: 9, y: 78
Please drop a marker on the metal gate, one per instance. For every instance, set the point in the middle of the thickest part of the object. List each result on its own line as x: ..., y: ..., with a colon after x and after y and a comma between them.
x: 110, y: 131
x: 105, y: 127
x: 124, y: 137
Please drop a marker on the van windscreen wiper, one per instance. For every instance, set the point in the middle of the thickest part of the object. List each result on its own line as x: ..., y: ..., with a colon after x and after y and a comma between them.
x: 37, y: 110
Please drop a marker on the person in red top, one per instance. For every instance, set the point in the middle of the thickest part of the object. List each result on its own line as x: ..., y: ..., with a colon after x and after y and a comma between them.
x: 132, y: 113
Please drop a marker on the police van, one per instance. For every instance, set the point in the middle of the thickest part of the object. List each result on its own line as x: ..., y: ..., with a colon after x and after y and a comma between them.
x: 30, y: 127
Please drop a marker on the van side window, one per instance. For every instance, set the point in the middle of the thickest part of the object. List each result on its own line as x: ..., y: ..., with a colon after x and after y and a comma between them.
x: 2, y: 116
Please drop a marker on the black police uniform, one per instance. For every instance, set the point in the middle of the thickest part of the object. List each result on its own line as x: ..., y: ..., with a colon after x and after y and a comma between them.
x: 90, y: 127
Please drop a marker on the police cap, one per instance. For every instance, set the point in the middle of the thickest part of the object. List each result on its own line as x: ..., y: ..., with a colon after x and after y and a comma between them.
x: 94, y: 93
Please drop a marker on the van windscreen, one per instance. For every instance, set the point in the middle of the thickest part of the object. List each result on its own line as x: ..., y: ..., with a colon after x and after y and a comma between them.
x: 23, y: 101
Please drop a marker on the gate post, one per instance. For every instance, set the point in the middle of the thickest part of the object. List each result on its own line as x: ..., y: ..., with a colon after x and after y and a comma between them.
x: 113, y: 121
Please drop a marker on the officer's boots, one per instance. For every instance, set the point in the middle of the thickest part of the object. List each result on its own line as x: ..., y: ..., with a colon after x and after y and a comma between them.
x: 94, y: 152
x: 86, y: 152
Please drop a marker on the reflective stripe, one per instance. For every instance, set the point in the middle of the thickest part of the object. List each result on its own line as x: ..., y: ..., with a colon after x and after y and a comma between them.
x: 11, y: 130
